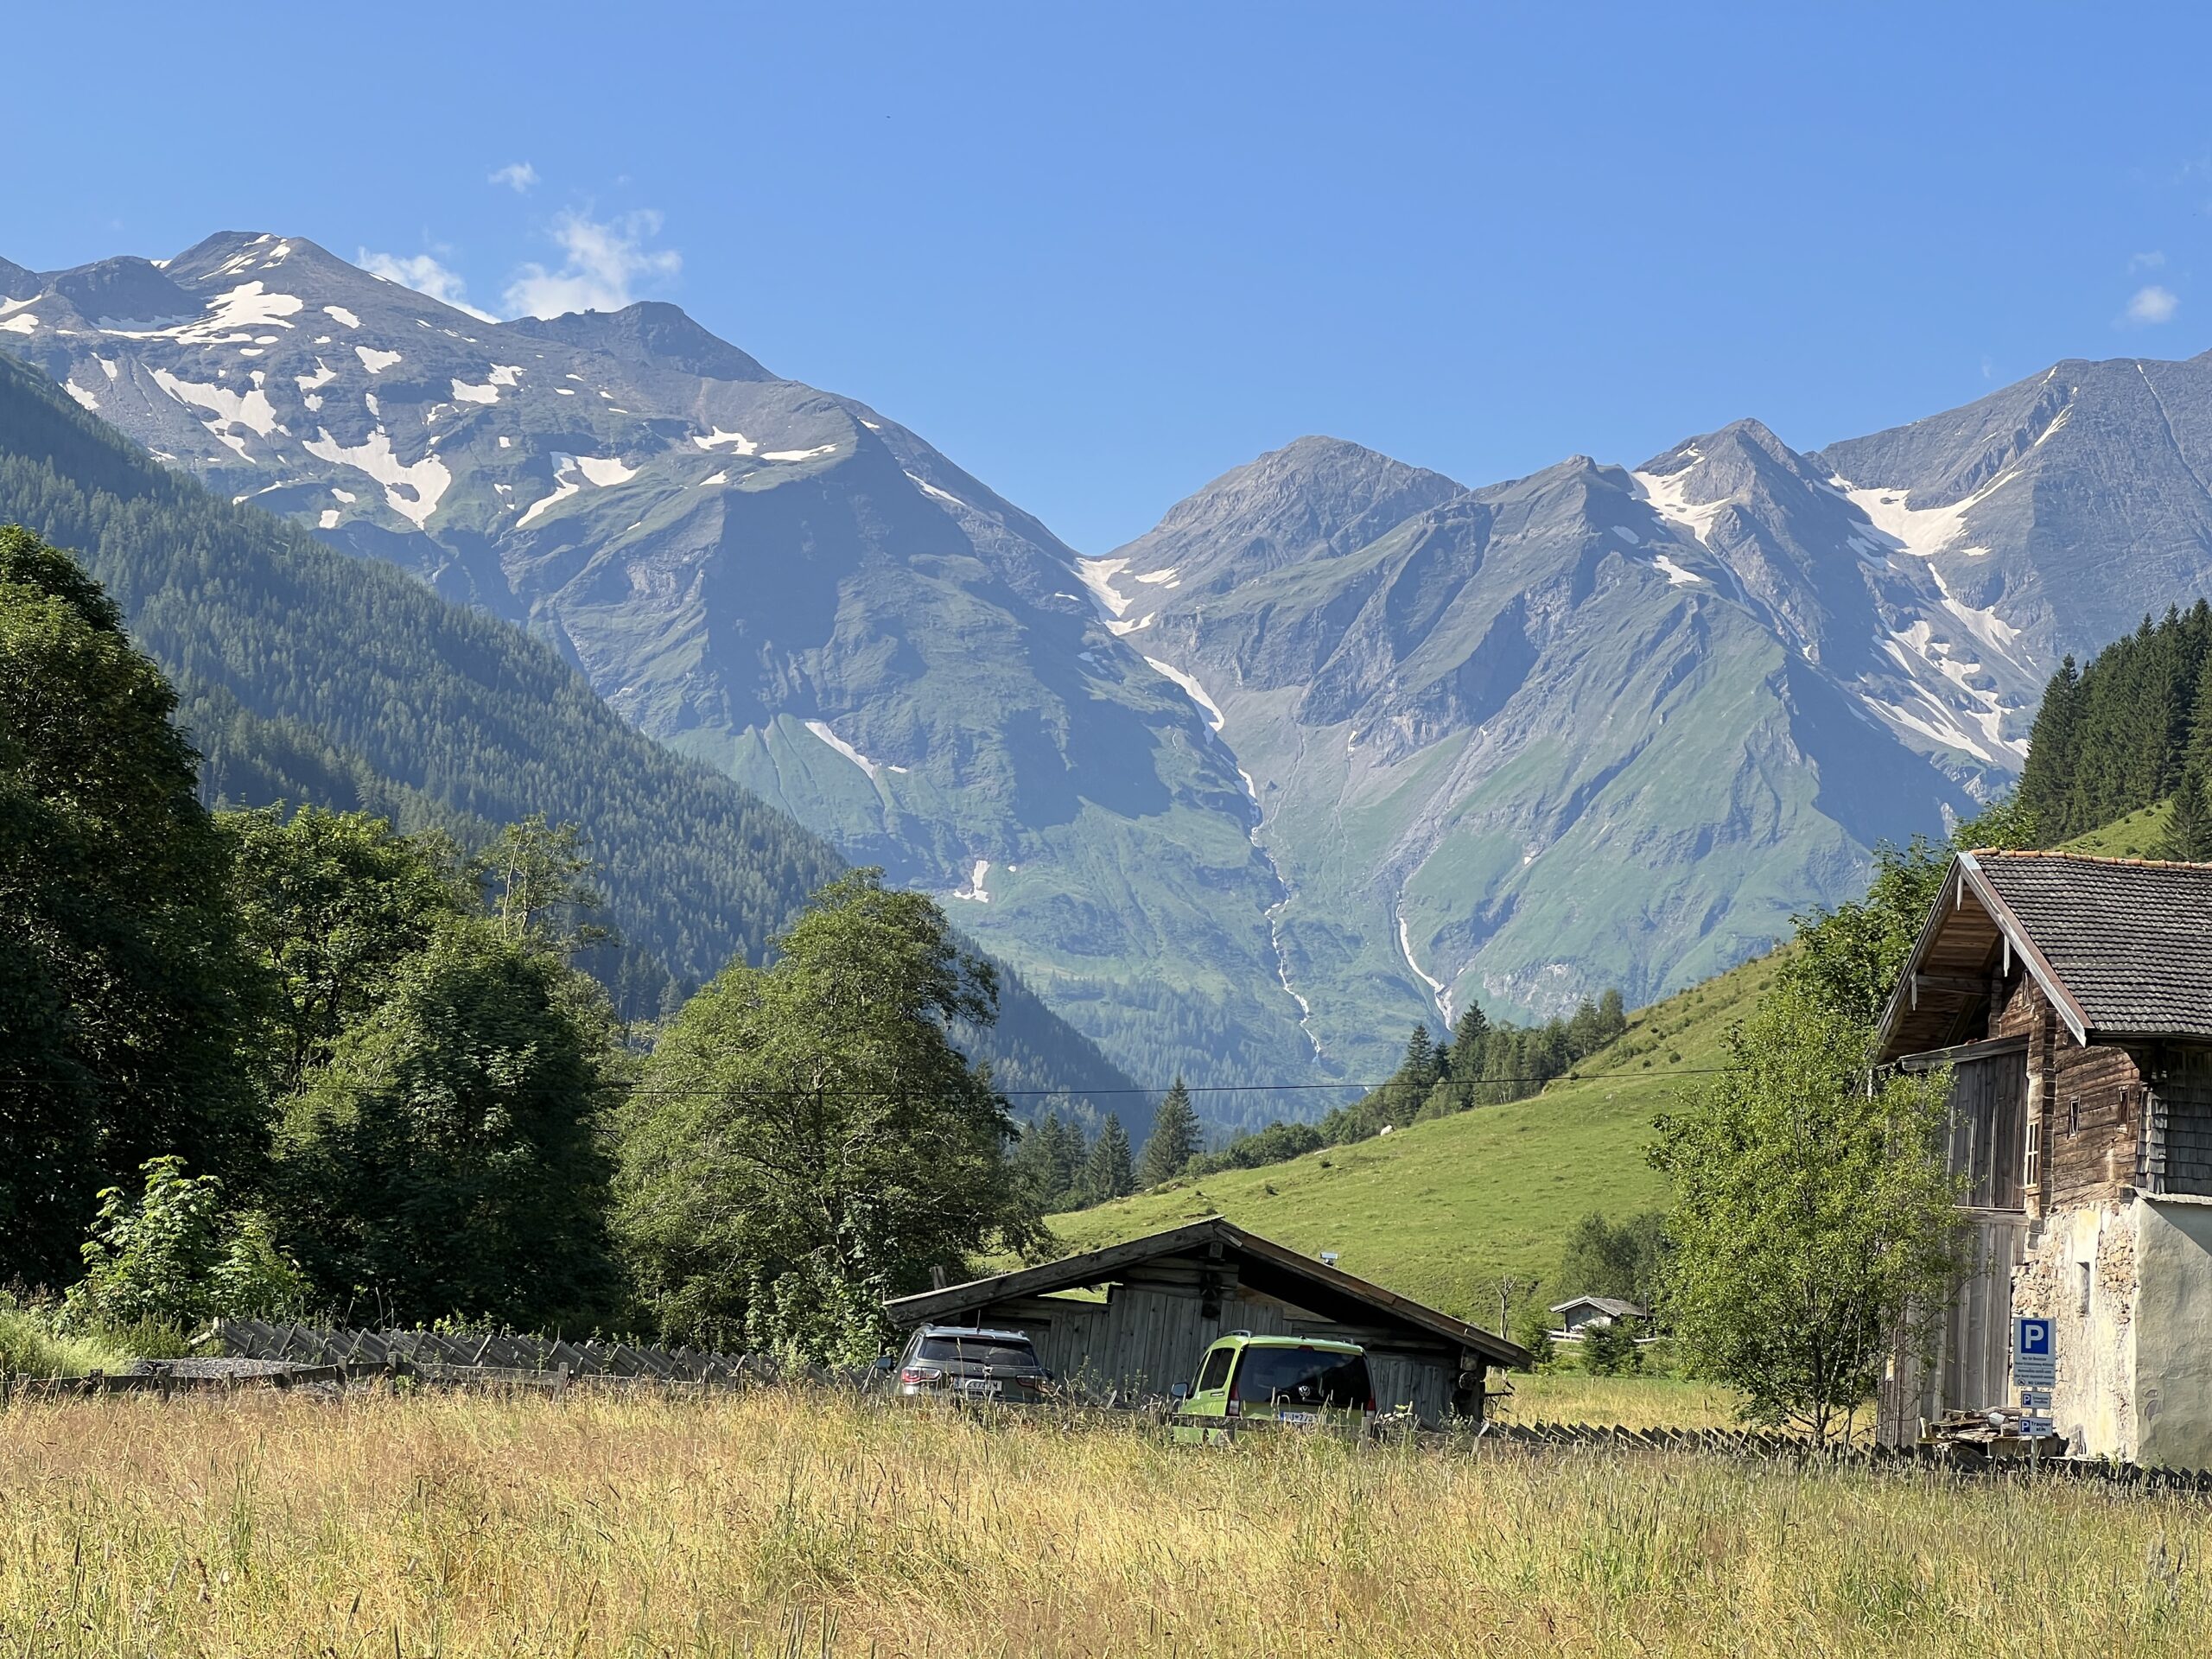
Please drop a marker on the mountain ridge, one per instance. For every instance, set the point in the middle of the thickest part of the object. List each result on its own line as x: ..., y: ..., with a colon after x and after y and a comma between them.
x: 1339, y: 743
x: 307, y: 676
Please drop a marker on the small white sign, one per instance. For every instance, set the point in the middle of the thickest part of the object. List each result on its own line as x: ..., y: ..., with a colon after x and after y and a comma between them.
x: 2035, y: 1399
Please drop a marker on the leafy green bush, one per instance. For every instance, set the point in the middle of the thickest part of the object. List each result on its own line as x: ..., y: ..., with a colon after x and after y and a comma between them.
x: 173, y: 1258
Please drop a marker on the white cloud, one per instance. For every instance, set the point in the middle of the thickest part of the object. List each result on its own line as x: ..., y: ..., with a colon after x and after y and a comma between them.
x: 517, y: 176
x: 603, y: 261
x: 425, y: 276
x: 2153, y: 304
x: 2150, y: 261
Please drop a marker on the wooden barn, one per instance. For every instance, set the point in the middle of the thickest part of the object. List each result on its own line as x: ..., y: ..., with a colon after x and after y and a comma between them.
x: 1137, y: 1317
x: 2071, y: 998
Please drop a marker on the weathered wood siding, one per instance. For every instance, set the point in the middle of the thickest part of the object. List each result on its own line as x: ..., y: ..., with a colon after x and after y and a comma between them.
x: 2178, y: 1153
x: 1971, y: 1366
x: 1151, y: 1332
x: 1989, y: 1125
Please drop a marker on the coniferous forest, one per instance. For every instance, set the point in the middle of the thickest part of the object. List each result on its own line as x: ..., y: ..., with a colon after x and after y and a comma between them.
x: 288, y: 1063
x: 2131, y: 728
x: 306, y: 676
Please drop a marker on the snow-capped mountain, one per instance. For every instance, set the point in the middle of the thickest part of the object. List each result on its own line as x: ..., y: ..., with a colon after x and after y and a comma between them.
x: 1340, y: 744
x: 774, y: 579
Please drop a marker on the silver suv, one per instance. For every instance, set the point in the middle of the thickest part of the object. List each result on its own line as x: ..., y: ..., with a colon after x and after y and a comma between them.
x: 969, y: 1363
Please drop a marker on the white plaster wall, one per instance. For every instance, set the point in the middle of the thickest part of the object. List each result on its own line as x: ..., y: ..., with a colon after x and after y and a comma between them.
x: 2173, y: 1331
x: 2092, y: 1247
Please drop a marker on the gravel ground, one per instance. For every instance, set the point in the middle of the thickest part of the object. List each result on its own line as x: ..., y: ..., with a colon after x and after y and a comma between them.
x: 210, y: 1367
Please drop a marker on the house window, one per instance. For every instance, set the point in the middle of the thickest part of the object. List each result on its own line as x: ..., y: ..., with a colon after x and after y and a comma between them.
x: 2073, y: 1114
x: 2085, y: 1289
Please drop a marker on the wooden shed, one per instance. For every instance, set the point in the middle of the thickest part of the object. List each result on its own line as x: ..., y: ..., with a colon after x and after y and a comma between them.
x: 1137, y: 1317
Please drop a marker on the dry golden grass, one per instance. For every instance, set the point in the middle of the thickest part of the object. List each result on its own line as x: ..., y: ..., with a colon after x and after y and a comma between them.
x: 787, y: 1524
x: 1630, y: 1402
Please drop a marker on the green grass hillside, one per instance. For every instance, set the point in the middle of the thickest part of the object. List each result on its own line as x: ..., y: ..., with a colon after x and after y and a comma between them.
x: 2136, y: 835
x: 1440, y: 1209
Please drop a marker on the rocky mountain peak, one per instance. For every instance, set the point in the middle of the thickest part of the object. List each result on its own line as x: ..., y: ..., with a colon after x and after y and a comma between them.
x: 651, y: 333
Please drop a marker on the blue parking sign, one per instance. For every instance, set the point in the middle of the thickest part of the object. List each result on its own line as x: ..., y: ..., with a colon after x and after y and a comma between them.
x: 2035, y: 1353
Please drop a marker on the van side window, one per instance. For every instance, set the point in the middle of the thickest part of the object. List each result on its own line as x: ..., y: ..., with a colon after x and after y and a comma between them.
x: 1216, y: 1373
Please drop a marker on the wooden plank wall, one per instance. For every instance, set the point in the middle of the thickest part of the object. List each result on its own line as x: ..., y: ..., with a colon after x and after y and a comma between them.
x: 1989, y: 1123
x: 1973, y: 1357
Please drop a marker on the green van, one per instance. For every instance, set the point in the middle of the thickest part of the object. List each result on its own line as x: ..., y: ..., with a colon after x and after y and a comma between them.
x: 1295, y: 1381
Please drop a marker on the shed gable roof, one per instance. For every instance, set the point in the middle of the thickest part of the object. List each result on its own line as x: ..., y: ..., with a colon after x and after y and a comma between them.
x: 2122, y: 947
x: 1273, y: 1268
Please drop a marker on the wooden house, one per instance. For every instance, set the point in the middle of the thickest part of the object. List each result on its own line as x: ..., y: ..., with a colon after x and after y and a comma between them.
x: 1135, y: 1318
x: 2071, y: 998
x: 1577, y: 1313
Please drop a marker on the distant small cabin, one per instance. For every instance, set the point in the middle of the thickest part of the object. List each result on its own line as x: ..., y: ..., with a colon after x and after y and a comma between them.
x: 1577, y: 1313
x: 1135, y: 1318
x: 2070, y: 999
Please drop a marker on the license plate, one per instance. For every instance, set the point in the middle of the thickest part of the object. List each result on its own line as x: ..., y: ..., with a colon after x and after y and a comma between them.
x: 992, y: 1389
x: 1296, y: 1417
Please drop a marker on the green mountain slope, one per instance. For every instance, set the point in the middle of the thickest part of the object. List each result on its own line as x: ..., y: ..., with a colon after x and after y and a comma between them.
x: 2139, y: 835
x: 309, y: 674
x: 780, y: 582
x: 1440, y: 1209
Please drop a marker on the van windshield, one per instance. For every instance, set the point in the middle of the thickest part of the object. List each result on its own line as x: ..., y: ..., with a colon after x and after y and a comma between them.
x: 978, y: 1350
x: 1306, y: 1377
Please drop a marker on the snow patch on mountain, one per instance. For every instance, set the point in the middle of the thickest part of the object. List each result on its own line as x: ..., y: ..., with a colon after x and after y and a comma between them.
x: 252, y: 409
x: 604, y: 473
x: 230, y: 316
x: 1097, y: 575
x: 1214, y: 718
x: 411, y: 490
x: 374, y: 361
x: 929, y: 488
x: 821, y: 729
x: 736, y: 442
x: 1668, y: 496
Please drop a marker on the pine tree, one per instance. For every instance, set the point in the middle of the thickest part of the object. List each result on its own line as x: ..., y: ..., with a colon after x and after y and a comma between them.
x: 1106, y: 1173
x: 2046, y: 782
x: 2188, y: 836
x: 1174, y: 1139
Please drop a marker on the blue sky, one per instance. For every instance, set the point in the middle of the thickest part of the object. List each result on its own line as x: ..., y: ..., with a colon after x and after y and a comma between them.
x: 1100, y: 254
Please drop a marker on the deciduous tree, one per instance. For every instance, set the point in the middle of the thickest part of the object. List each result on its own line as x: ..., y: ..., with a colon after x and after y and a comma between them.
x: 807, y: 1132
x: 123, y: 1019
x: 1813, y: 1220
x: 449, y: 1160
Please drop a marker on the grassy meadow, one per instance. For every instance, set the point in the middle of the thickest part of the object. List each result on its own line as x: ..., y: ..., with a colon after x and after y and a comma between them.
x: 1439, y: 1210
x: 2137, y: 836
x: 788, y: 1524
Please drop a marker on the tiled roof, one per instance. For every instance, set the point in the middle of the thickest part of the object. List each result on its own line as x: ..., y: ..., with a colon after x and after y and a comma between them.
x: 2130, y: 938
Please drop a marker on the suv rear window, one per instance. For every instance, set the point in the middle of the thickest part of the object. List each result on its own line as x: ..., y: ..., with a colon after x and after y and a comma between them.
x: 978, y: 1350
x: 1303, y: 1376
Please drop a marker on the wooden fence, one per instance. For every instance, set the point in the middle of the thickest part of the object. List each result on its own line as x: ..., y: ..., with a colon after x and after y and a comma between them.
x: 305, y: 1344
